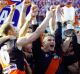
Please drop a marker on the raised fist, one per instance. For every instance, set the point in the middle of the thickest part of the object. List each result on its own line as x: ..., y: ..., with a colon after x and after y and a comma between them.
x: 3, y: 4
x: 50, y: 13
x: 13, y: 7
x: 27, y: 2
x: 33, y: 12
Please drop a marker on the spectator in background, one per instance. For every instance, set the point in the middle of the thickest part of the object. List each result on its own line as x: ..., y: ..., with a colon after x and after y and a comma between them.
x: 69, y: 8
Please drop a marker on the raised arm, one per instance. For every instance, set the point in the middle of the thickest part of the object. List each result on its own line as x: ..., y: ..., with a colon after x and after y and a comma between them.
x: 4, y: 38
x: 39, y: 30
x: 8, y: 20
x: 58, y: 32
x: 2, y: 4
x: 22, y: 17
x: 52, y: 22
x: 33, y: 12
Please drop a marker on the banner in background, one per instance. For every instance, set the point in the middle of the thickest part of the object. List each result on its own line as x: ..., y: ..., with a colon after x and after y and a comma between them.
x: 6, y: 10
x: 4, y: 3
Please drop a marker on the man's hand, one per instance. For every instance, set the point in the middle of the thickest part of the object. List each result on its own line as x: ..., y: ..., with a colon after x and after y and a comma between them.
x: 2, y: 4
x: 33, y: 12
x: 27, y: 2
x: 60, y: 14
x: 50, y: 13
x: 13, y: 7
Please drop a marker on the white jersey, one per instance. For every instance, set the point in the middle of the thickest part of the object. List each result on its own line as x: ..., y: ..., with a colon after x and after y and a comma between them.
x: 69, y: 13
x: 5, y: 57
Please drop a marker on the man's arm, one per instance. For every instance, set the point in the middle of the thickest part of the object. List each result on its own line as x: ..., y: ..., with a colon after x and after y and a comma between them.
x: 33, y: 12
x: 36, y: 45
x: 52, y: 22
x: 4, y: 38
x: 22, y: 17
x: 8, y: 20
x: 70, y: 59
x: 58, y: 32
x: 66, y: 43
x: 2, y: 4
x: 24, y: 40
x: 58, y: 39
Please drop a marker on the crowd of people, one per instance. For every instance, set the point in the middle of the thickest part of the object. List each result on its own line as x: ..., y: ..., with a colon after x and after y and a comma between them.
x: 45, y: 4
x: 29, y: 49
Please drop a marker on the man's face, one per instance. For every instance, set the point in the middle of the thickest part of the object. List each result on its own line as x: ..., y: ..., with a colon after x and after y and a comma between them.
x: 49, y: 43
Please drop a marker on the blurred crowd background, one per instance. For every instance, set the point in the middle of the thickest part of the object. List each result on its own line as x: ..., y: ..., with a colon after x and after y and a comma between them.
x: 45, y: 4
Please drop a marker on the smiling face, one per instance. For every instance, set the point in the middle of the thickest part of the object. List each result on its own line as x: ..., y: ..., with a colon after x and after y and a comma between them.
x: 49, y: 43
